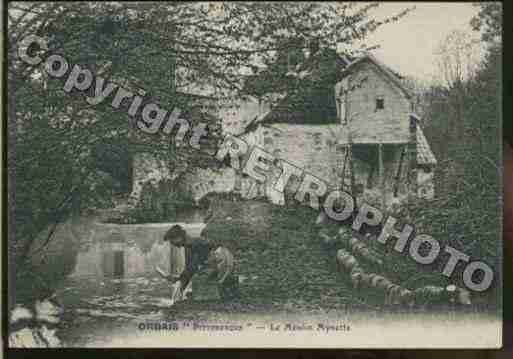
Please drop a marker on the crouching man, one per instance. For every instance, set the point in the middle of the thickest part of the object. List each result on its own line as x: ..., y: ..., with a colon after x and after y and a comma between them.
x: 199, y: 253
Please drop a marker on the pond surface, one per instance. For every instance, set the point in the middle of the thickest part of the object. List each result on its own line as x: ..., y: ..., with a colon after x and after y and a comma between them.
x: 96, y: 306
x: 98, y: 309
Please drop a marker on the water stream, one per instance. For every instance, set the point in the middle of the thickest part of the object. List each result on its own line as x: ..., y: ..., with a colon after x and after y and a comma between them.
x: 98, y: 298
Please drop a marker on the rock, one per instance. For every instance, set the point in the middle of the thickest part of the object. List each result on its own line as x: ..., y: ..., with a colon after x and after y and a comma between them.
x: 19, y: 313
x: 440, y: 295
x: 38, y: 332
x: 47, y: 311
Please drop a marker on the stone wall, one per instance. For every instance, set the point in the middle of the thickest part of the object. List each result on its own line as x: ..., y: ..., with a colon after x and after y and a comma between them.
x: 314, y: 148
x: 204, y: 181
x: 141, y: 244
x: 310, y: 147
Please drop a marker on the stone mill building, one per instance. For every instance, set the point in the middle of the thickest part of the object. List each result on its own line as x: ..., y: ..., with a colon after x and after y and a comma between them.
x: 371, y: 144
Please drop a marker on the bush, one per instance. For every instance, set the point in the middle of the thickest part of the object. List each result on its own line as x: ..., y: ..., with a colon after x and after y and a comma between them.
x: 158, y: 203
x: 279, y: 254
x: 283, y: 260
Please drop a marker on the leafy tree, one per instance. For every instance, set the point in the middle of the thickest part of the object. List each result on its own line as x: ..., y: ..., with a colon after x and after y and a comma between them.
x: 489, y: 21
x: 463, y: 125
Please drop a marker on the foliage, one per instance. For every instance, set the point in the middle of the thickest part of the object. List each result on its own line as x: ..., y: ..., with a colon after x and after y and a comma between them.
x: 308, y: 88
x: 165, y: 49
x: 463, y: 125
x: 488, y: 21
x: 158, y: 203
x: 278, y: 253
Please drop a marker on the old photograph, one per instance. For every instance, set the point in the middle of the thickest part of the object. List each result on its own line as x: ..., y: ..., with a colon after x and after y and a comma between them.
x: 253, y: 174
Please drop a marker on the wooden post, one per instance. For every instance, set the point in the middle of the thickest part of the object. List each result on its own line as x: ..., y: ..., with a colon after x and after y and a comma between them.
x: 351, y: 170
x: 399, y: 169
x: 349, y: 120
x: 351, y: 166
x: 343, y: 176
x: 412, y: 162
x: 381, y: 176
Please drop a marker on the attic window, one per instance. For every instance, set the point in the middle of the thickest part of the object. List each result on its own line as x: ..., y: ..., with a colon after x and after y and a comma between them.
x: 380, y: 103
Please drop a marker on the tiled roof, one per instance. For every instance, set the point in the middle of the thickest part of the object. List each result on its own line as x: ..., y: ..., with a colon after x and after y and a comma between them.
x: 424, y: 154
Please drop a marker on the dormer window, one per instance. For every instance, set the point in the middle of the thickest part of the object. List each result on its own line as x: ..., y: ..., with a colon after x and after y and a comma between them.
x: 380, y: 103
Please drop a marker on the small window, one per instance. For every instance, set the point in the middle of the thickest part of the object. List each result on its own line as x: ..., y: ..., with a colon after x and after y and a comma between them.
x: 380, y: 103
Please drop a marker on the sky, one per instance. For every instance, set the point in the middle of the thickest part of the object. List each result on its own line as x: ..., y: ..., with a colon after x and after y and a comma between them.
x: 408, y: 45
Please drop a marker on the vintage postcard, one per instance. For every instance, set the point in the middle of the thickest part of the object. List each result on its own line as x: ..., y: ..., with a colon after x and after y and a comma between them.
x: 254, y: 174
